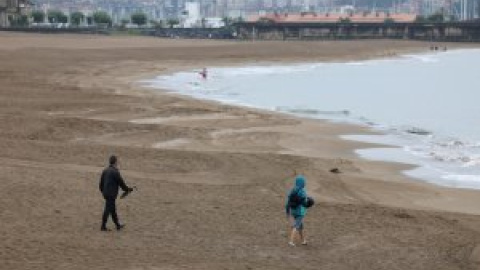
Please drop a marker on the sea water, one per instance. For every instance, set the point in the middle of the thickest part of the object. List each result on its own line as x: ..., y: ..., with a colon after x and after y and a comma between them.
x: 426, y: 105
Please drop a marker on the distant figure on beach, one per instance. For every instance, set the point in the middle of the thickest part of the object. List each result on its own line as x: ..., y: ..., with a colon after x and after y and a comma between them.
x: 296, y: 209
x: 204, y: 73
x: 110, y: 182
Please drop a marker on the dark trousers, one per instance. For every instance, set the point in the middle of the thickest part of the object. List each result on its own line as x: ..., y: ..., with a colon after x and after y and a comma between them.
x: 110, y: 209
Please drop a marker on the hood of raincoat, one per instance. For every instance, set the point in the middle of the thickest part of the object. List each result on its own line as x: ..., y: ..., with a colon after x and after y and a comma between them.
x: 300, y: 182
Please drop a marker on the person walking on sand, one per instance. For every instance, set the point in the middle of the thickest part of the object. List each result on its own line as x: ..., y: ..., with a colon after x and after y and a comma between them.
x: 296, y: 209
x: 110, y: 181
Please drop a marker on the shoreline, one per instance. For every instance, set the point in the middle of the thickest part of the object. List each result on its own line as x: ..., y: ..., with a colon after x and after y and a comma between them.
x: 405, y: 168
x: 211, y: 178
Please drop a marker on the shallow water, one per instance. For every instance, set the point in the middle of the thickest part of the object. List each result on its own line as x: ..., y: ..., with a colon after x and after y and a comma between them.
x: 427, y: 105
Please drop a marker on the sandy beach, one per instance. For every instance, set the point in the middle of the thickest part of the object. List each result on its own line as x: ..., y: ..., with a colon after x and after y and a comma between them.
x: 211, y: 178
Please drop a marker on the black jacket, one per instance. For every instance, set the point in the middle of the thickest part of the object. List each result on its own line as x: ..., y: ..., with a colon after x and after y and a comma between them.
x: 110, y: 181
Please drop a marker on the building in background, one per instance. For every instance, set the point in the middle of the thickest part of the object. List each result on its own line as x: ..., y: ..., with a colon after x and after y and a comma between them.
x: 469, y: 9
x: 10, y: 10
x: 3, y: 13
x: 174, y: 9
x: 190, y: 17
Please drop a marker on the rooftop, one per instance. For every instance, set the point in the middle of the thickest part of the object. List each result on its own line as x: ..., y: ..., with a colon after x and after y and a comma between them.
x: 312, y: 17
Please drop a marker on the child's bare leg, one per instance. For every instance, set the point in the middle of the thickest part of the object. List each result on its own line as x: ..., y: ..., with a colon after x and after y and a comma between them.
x: 292, y: 236
x: 301, y: 233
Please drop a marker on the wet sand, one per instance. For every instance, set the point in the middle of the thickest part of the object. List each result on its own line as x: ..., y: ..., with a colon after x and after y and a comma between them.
x: 211, y: 178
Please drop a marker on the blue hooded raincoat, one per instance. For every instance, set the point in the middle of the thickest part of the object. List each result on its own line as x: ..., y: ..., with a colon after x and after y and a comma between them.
x: 299, y: 188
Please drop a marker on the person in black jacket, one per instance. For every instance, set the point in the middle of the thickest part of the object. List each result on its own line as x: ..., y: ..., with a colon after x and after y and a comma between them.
x: 110, y: 181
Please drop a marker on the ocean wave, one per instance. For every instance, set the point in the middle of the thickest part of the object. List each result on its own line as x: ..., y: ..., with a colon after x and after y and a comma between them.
x: 462, y: 180
x: 423, y: 58
x: 450, y: 157
x: 264, y: 70
x: 312, y: 111
x: 474, y: 161
x: 464, y: 153
x: 417, y: 131
x: 356, y: 63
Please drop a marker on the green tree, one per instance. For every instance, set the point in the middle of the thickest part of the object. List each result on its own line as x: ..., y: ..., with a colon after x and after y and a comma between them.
x: 76, y: 18
x: 63, y: 18
x: 102, y: 17
x: 453, y: 18
x: 38, y: 16
x: 124, y: 22
x: 156, y: 24
x: 23, y: 20
x: 89, y: 19
x: 227, y: 21
x: 420, y: 19
x: 437, y: 17
x: 388, y: 21
x: 139, y: 18
x: 56, y: 16
x: 160, y: 24
x: 172, y: 22
x: 19, y: 21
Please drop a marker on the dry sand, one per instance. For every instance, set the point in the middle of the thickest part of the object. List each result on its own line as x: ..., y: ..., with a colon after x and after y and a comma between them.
x: 211, y: 178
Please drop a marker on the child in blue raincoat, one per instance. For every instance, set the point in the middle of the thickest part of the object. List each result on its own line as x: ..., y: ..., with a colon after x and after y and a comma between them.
x: 296, y: 210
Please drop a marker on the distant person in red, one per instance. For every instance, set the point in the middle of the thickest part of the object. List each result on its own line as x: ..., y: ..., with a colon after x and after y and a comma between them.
x: 203, y: 73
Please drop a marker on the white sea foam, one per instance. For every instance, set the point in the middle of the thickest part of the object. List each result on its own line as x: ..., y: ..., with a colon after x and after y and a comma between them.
x: 357, y: 63
x: 424, y: 59
x: 461, y: 181
x: 474, y: 161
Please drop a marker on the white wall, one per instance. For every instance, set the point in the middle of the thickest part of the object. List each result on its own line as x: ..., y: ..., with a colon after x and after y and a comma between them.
x: 3, y: 19
x: 214, y: 22
x: 192, y: 15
